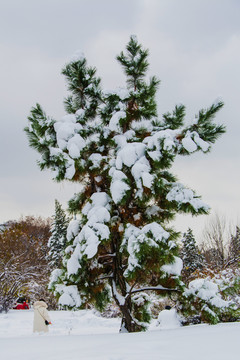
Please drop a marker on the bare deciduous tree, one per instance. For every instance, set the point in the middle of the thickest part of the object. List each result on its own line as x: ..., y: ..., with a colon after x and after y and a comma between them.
x: 23, y: 265
x: 15, y: 275
x: 215, y: 242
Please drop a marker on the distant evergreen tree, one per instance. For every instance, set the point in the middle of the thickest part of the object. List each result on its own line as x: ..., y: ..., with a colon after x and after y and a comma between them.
x: 190, y: 254
x: 112, y: 143
x: 234, y: 248
x: 58, y: 239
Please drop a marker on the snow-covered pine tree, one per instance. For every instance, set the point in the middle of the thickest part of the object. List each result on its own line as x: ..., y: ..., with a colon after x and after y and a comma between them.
x: 234, y: 247
x: 58, y: 239
x: 190, y: 254
x: 114, y: 144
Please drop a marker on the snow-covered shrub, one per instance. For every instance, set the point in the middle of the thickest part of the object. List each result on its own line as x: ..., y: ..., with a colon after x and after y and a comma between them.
x: 228, y: 281
x: 209, y: 300
x: 168, y: 319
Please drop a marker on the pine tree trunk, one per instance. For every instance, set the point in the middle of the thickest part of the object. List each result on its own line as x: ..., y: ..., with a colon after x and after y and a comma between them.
x: 128, y: 324
x: 123, y: 301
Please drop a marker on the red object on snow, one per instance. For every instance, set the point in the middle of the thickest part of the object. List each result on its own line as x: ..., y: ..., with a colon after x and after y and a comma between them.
x: 23, y: 306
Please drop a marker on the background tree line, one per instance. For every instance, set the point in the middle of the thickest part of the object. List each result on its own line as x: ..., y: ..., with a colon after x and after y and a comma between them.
x: 30, y: 248
x: 219, y: 248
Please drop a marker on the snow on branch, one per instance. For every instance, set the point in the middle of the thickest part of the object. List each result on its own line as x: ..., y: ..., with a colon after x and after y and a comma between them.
x: 153, y: 288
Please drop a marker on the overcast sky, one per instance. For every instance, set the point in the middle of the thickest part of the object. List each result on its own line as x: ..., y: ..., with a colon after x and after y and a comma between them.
x: 194, y: 49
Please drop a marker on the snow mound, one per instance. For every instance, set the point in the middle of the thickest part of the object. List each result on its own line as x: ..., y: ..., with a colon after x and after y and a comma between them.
x: 168, y: 319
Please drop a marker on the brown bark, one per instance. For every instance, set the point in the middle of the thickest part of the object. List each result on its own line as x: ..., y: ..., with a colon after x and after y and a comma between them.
x: 118, y: 282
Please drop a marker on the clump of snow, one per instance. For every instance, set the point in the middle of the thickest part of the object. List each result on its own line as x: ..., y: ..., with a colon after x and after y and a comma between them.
x: 93, y: 232
x: 132, y: 155
x: 120, y: 140
x: 68, y: 138
x: 155, y: 155
x: 73, y: 263
x: 141, y: 173
x: 69, y: 295
x: 74, y: 145
x: 96, y: 159
x: 157, y: 231
x: 182, y: 195
x: 189, y: 144
x: 88, y: 241
x: 204, y: 145
x: 164, y: 139
x: 129, y: 154
x: 150, y: 234
x: 73, y: 229
x: 130, y: 237
x: 175, y: 268
x: 70, y: 168
x: 99, y: 199
x: 118, y: 187
x: 168, y: 140
x: 66, y: 128
x: 206, y: 290
x: 98, y: 214
x: 192, y: 141
x: 114, y: 121
x: 55, y: 274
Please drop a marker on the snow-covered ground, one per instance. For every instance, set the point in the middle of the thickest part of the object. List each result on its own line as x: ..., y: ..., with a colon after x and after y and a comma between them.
x: 84, y: 335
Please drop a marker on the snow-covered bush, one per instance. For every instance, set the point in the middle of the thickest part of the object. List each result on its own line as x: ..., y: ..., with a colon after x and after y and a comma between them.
x: 212, y: 300
x: 169, y: 319
x: 228, y: 281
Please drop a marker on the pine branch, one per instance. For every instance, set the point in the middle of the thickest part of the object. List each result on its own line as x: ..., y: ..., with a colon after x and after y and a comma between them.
x: 175, y: 120
x: 207, y: 130
x: 134, y: 62
x: 153, y: 288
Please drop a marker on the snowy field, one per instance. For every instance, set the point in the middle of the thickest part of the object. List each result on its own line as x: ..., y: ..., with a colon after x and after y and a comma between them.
x: 83, y: 335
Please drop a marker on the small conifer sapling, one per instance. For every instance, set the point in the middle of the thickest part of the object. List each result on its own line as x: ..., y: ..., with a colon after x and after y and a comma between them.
x: 58, y: 239
x: 192, y: 258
